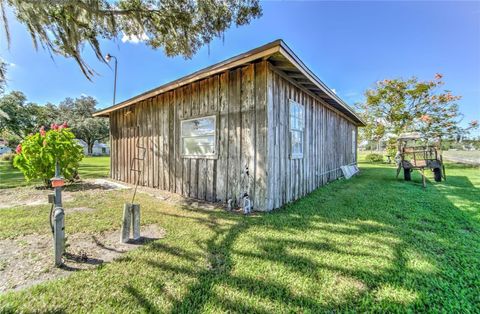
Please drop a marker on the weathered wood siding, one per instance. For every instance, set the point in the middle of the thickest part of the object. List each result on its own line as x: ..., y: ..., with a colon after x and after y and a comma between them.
x: 327, y: 142
x: 238, y: 98
x: 253, y: 139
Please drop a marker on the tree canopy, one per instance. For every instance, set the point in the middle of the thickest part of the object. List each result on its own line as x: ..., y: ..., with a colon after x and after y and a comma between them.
x: 180, y: 27
x: 78, y: 112
x: 395, y: 106
x: 19, y: 118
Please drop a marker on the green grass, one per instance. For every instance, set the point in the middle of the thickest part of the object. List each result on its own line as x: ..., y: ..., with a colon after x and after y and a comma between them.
x: 94, y: 167
x: 90, y: 167
x: 373, y: 243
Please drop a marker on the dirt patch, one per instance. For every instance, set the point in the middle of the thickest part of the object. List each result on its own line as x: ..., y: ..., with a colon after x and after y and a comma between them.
x: 31, y: 196
x: 28, y: 260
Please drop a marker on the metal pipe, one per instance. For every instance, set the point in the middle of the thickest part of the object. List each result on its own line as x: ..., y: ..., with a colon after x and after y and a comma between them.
x: 58, y: 189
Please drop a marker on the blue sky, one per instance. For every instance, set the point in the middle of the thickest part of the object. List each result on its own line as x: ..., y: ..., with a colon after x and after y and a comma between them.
x: 349, y: 45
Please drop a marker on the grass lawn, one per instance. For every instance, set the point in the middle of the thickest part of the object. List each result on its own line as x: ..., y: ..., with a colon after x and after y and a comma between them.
x: 90, y: 167
x: 373, y: 243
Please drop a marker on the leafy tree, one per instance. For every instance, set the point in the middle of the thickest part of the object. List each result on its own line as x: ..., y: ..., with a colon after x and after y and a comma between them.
x: 78, y: 112
x: 37, y: 154
x: 14, y: 116
x: 20, y: 118
x: 181, y: 27
x: 374, y: 129
x: 412, y: 105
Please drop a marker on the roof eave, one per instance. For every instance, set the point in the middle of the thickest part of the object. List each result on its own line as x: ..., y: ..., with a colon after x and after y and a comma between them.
x: 290, y: 55
x: 249, y: 56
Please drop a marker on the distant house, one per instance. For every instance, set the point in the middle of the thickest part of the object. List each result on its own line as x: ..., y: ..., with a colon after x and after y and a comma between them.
x: 99, y: 149
x: 259, y: 124
x: 5, y: 150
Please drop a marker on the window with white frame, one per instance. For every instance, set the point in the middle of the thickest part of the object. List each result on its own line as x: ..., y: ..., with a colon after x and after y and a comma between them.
x: 297, y: 125
x: 198, y: 137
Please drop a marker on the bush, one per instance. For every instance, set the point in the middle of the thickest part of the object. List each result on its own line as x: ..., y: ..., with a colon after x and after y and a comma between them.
x: 374, y: 157
x: 37, y: 154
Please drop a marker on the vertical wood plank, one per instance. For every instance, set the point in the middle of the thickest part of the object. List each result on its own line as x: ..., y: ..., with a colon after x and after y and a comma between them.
x: 212, y: 96
x: 222, y: 129
x: 171, y: 141
x: 202, y: 163
x: 247, y: 141
x: 187, y: 107
x: 270, y: 140
x: 234, y: 134
x: 179, y: 94
x: 261, y: 132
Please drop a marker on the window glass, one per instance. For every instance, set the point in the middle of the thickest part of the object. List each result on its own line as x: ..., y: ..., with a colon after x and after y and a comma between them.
x: 297, y: 143
x: 197, y: 146
x: 198, y: 136
x: 297, y: 124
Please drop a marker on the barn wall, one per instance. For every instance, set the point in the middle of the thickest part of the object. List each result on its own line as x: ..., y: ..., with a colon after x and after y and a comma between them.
x: 327, y: 146
x: 238, y: 97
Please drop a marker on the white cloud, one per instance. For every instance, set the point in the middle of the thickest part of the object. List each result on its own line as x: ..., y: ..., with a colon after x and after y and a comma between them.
x: 11, y: 64
x: 334, y: 91
x: 134, y: 39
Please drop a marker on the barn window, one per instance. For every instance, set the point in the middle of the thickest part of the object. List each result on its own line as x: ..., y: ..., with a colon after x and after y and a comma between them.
x: 198, y: 137
x: 297, y: 125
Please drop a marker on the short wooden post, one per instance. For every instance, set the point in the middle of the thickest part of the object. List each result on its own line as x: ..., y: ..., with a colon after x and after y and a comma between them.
x: 126, y: 222
x: 136, y: 221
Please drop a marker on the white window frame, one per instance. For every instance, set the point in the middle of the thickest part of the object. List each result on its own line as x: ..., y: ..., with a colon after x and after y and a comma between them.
x: 293, y: 129
x: 182, y: 137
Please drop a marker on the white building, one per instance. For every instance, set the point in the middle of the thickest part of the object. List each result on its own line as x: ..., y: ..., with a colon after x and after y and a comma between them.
x: 99, y: 149
x: 5, y: 150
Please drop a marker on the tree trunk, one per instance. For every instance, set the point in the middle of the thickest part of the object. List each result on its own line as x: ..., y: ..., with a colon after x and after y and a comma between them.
x: 90, y: 148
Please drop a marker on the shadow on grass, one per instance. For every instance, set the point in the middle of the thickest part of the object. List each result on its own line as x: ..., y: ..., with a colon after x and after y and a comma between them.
x: 399, y: 219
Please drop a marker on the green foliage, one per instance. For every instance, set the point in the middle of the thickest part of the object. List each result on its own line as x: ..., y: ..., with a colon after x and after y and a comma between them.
x: 396, y: 106
x: 13, y: 115
x: 373, y: 157
x: 19, y: 118
x: 79, y: 112
x: 180, y: 27
x: 37, y: 154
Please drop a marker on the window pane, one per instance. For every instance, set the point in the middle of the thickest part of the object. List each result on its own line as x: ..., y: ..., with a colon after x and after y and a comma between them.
x: 198, y: 127
x: 297, y: 121
x: 297, y: 142
x: 197, y: 146
x: 300, y: 116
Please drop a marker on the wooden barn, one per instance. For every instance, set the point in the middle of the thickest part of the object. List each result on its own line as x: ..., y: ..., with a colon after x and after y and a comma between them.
x: 259, y: 124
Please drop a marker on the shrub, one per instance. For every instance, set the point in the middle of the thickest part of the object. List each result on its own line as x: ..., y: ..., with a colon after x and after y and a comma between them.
x: 374, y: 157
x: 37, y: 154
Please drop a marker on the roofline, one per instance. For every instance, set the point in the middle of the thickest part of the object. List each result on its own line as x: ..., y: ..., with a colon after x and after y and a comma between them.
x: 292, y: 57
x: 249, y: 56
x: 238, y: 60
